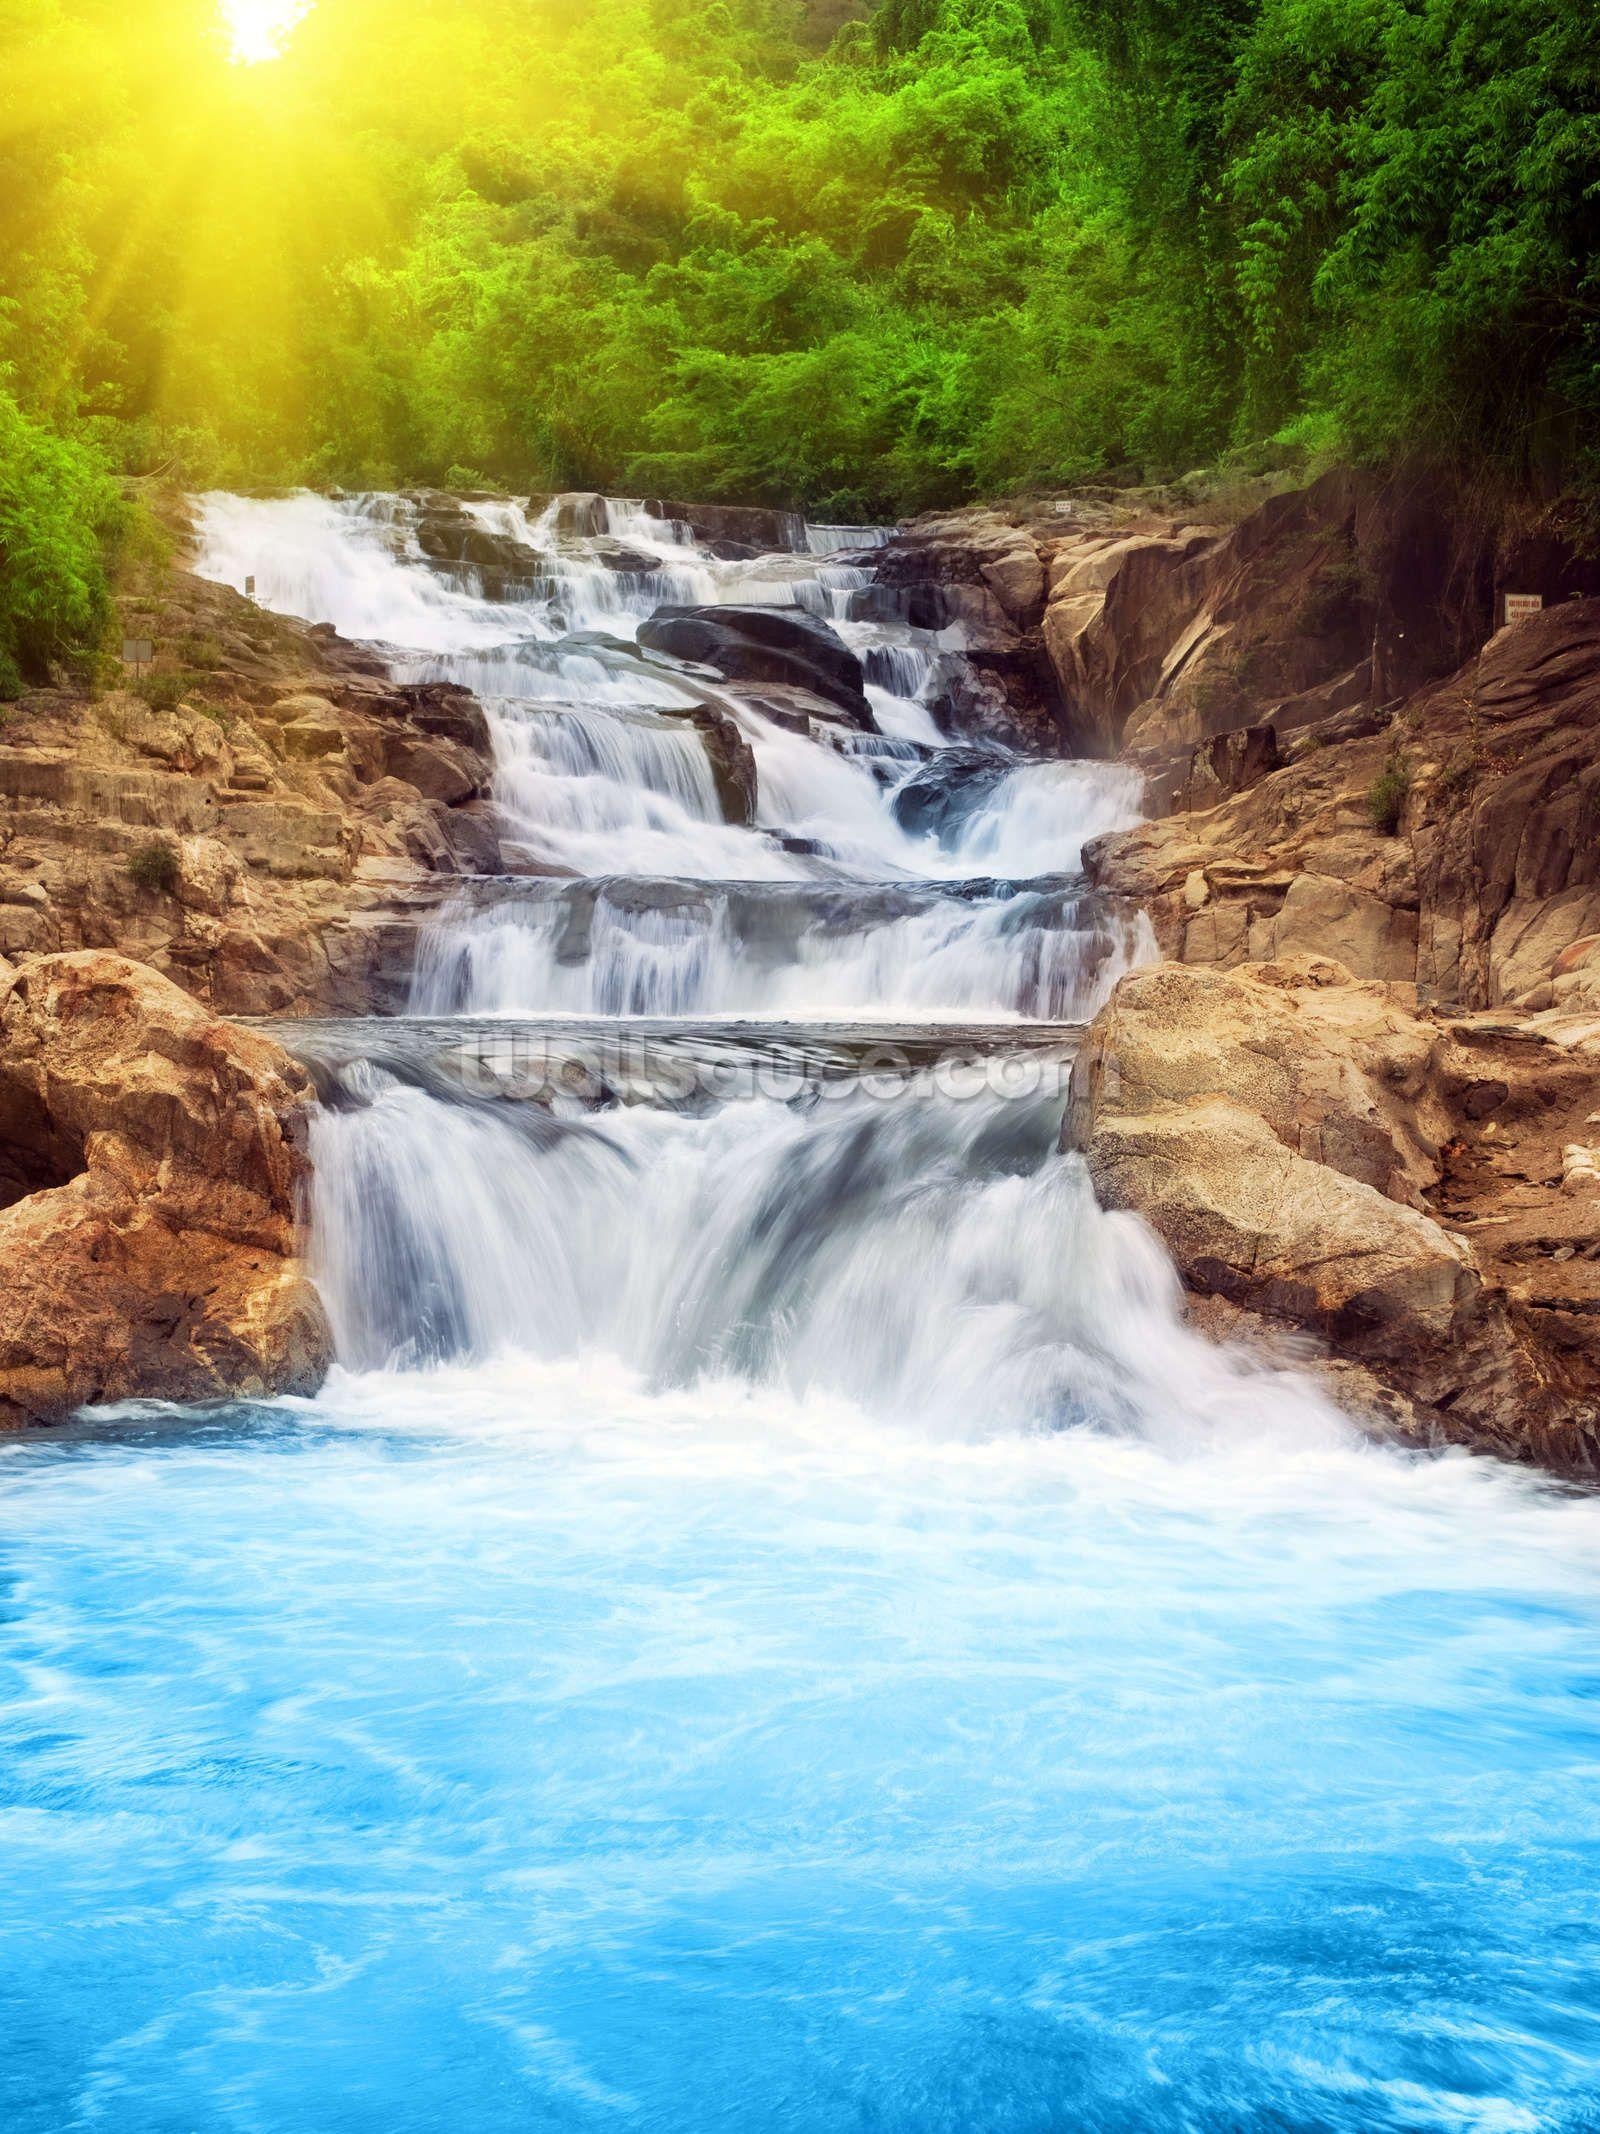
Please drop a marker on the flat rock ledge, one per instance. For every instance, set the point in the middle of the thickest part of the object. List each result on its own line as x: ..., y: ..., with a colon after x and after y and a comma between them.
x: 1293, y: 1136
x: 151, y: 1159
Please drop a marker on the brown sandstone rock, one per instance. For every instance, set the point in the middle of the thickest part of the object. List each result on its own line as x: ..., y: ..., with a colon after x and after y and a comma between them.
x: 984, y: 570
x: 1492, y: 881
x: 151, y: 1161
x: 311, y: 736
x: 1316, y: 1155
x: 301, y: 859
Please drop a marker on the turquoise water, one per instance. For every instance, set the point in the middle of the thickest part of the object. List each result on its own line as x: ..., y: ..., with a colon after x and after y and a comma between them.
x: 515, y: 1748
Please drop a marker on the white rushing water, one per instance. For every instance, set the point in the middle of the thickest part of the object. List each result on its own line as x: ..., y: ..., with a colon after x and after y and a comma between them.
x: 1048, y: 954
x: 599, y: 772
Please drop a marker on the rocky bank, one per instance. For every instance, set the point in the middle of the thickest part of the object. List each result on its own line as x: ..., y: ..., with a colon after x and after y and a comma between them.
x: 1362, y: 1103
x: 251, y: 825
x: 259, y: 815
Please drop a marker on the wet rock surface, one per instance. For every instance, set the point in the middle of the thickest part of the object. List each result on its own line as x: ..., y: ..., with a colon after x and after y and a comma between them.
x: 937, y: 799
x: 1318, y: 1156
x: 785, y: 646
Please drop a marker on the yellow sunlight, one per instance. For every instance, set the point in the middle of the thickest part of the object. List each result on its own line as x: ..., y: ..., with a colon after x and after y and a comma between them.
x: 257, y: 28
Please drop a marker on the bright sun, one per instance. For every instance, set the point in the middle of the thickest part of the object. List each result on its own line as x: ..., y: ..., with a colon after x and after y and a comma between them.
x: 257, y: 28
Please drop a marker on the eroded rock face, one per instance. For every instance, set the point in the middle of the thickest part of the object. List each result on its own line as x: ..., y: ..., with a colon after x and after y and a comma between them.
x: 1345, y: 597
x: 984, y: 571
x: 1484, y: 890
x: 1314, y: 1155
x: 267, y: 844
x: 152, y: 1160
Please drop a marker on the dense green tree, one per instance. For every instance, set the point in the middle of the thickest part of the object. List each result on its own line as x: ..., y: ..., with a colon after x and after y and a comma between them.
x: 973, y: 246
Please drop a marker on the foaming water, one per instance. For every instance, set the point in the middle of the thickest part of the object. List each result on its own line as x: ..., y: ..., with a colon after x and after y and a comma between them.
x: 917, y: 1250
x: 599, y: 772
x: 1040, y: 816
x: 347, y: 562
x: 1050, y: 954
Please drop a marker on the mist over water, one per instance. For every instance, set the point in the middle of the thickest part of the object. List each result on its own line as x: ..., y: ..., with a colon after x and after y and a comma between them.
x: 776, y: 1624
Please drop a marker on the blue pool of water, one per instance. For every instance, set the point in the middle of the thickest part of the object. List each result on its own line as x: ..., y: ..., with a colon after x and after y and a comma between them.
x: 518, y: 1749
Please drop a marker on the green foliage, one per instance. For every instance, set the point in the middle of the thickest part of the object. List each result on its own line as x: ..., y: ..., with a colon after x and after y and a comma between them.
x: 58, y: 509
x: 154, y: 866
x: 1387, y: 795
x: 978, y: 245
x: 164, y: 688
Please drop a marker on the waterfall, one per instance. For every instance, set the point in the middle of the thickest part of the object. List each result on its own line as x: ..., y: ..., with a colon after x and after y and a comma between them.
x: 1050, y: 953
x: 826, y: 1236
x: 917, y: 1249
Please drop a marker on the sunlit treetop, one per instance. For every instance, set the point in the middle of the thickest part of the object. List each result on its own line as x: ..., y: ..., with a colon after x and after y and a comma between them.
x: 257, y: 29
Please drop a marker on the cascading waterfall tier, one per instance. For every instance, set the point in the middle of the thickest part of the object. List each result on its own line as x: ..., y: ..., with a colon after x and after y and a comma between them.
x: 1049, y: 950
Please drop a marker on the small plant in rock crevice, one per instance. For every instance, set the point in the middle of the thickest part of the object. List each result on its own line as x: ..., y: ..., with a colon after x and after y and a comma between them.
x: 154, y: 867
x: 165, y: 690
x: 1387, y: 795
x: 1461, y: 771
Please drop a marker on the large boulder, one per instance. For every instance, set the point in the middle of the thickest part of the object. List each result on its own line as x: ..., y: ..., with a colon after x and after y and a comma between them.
x: 447, y: 533
x: 751, y: 528
x: 942, y: 797
x: 152, y: 1158
x: 1278, y: 1127
x: 1344, y: 1075
x: 765, y: 644
x: 1248, y: 1219
x: 1312, y: 1151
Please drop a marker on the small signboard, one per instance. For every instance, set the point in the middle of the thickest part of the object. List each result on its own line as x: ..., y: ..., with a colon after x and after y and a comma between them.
x: 1519, y: 606
x: 137, y: 651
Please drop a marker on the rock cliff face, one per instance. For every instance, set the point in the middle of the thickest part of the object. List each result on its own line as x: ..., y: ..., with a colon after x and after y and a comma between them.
x: 264, y: 837
x: 1452, y: 843
x: 152, y: 1160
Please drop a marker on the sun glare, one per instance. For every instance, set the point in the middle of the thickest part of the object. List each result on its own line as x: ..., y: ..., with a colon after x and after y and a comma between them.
x: 257, y: 29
